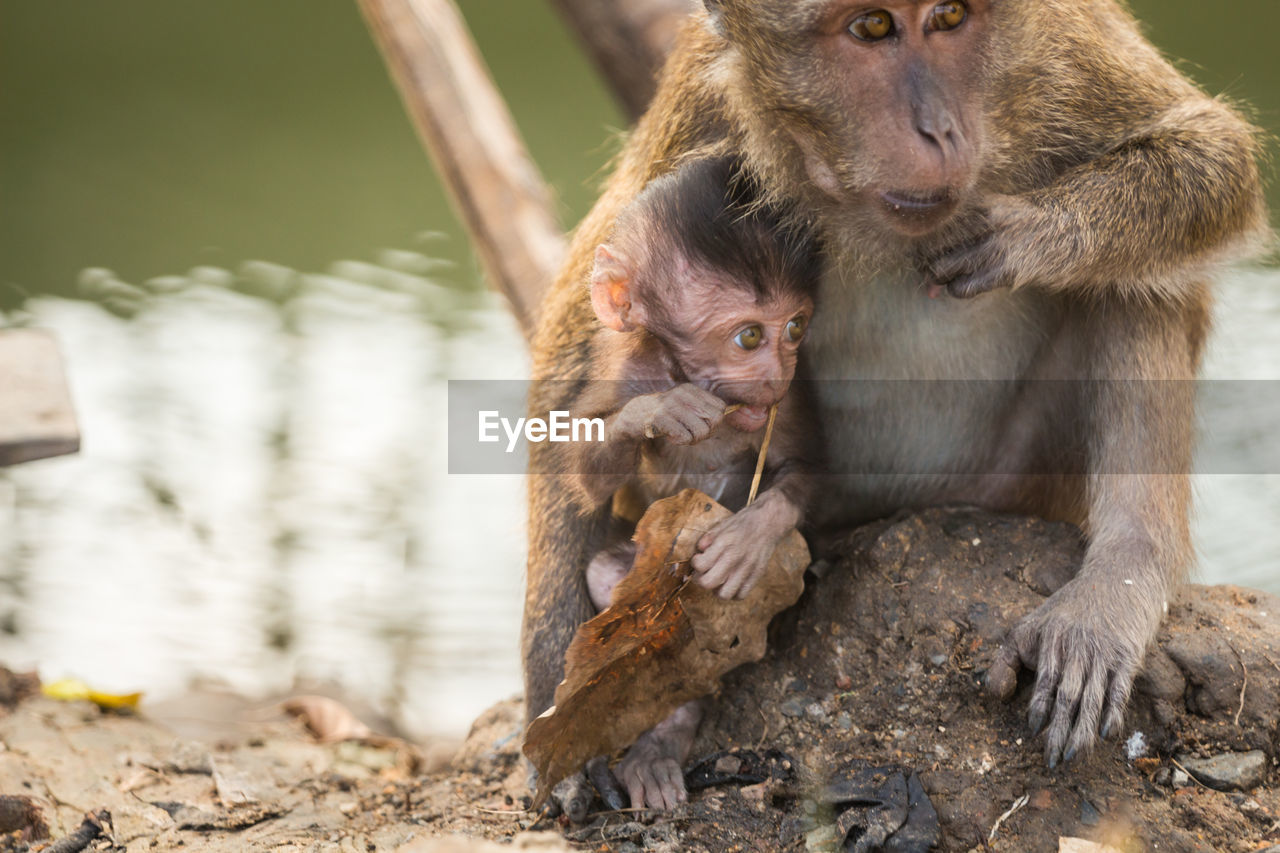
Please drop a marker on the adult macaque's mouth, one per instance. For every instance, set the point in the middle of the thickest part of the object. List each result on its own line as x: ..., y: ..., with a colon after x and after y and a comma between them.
x: 917, y: 212
x: 916, y: 200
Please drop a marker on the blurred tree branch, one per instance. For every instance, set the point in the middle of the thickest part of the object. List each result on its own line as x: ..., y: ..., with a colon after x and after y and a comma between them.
x: 493, y: 183
x: 495, y: 187
x: 628, y: 40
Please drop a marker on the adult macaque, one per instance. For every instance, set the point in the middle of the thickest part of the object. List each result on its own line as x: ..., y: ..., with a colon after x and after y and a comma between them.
x: 704, y: 298
x: 1038, y: 151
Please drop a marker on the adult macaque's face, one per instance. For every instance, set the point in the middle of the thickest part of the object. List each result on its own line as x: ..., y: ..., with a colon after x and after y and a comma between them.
x: 886, y: 97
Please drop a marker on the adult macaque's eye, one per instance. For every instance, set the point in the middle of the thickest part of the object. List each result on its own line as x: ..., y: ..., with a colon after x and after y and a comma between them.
x: 873, y: 26
x: 795, y: 329
x: 749, y: 338
x: 948, y: 16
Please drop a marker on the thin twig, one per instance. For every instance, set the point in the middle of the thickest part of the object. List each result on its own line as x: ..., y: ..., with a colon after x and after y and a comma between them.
x: 764, y: 734
x: 1245, y: 670
x: 764, y: 449
x: 1190, y: 775
x: 515, y: 812
x: 1017, y: 804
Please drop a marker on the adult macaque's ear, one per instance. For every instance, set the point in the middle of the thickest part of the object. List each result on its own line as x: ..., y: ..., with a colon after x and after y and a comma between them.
x: 822, y: 175
x: 611, y: 290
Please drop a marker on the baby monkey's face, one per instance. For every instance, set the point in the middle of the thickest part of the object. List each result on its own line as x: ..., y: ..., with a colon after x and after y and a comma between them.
x: 741, y: 350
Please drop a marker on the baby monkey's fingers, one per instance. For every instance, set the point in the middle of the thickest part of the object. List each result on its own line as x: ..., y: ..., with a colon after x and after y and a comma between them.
x: 686, y: 415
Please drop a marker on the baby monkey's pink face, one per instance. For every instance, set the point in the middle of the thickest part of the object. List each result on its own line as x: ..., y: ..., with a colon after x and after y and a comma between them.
x: 722, y: 336
x: 741, y: 350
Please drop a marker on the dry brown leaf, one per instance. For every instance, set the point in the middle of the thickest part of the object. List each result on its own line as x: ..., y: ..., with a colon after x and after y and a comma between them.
x: 330, y: 722
x: 665, y: 640
x: 327, y: 719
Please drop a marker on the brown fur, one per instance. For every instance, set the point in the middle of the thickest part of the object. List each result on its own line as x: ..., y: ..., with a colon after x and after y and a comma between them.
x: 1104, y: 190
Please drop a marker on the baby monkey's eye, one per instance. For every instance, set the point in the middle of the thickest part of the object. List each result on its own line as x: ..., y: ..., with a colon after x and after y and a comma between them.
x: 749, y: 338
x: 796, y: 328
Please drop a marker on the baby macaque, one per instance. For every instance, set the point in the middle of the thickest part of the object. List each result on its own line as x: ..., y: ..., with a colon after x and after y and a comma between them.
x: 704, y: 293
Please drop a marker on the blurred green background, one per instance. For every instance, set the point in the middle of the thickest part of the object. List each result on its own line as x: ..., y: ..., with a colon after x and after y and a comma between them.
x: 222, y: 211
x: 149, y: 136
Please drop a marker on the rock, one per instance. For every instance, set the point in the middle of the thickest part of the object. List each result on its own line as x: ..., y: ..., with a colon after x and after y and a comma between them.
x: 1231, y: 771
x: 906, y: 589
x: 1160, y: 677
x: 814, y: 712
x: 495, y: 736
x: 1089, y: 815
x: 1215, y: 636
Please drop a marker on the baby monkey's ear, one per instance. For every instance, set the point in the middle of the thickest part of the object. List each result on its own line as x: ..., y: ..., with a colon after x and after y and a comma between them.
x: 611, y: 290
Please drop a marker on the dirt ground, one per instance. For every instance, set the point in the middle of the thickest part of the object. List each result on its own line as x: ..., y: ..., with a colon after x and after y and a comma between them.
x: 873, y: 674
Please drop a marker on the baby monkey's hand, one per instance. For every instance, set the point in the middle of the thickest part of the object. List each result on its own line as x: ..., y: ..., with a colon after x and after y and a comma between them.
x: 686, y: 414
x: 733, y: 555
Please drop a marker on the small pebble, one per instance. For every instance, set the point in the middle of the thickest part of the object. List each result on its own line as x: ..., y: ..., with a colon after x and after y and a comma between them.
x: 844, y: 722
x: 793, y: 707
x: 728, y: 764
x: 843, y: 681
x: 814, y: 712
x: 1089, y: 815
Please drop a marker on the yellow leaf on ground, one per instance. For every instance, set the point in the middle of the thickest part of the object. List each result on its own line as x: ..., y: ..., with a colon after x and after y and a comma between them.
x: 73, y: 690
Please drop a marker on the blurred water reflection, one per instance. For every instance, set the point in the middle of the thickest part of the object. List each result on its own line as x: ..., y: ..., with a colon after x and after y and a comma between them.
x: 262, y: 494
